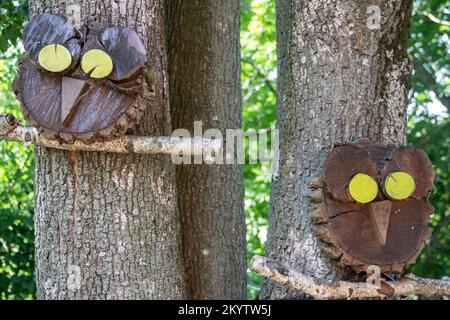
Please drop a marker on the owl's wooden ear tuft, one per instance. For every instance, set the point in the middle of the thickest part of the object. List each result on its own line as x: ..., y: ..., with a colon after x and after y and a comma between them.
x: 46, y: 29
x: 341, y: 164
x: 127, y: 51
x: 414, y: 162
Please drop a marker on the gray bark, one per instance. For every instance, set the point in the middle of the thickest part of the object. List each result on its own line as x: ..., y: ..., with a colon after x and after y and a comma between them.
x: 205, y: 86
x: 107, y: 225
x: 339, y: 78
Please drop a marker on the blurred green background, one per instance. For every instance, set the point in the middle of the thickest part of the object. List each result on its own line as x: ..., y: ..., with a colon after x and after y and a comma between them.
x: 428, y: 128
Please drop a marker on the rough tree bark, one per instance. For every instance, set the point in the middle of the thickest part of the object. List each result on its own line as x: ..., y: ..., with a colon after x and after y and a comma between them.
x: 107, y: 225
x: 343, y: 74
x: 205, y: 86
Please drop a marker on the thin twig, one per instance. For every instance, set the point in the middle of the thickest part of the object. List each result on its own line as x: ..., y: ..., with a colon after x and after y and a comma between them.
x: 436, y: 19
x: 261, y: 74
x: 10, y: 130
x: 325, y: 289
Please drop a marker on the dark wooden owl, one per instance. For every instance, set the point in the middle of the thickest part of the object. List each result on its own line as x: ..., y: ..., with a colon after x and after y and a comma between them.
x: 80, y: 84
x: 376, y: 209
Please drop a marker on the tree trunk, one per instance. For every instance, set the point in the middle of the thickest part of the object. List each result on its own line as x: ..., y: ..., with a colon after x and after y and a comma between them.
x: 343, y: 74
x: 107, y: 225
x: 205, y: 86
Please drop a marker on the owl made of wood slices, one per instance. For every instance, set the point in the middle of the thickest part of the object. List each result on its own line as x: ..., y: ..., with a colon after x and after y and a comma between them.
x: 375, y: 208
x: 80, y: 84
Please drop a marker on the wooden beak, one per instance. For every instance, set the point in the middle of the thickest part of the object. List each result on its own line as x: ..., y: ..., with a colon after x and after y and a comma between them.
x: 380, y: 212
x: 71, y: 91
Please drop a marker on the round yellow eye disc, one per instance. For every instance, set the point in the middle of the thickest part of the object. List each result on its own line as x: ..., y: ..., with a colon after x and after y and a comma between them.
x: 399, y: 185
x: 97, y: 64
x: 363, y: 188
x: 54, y: 58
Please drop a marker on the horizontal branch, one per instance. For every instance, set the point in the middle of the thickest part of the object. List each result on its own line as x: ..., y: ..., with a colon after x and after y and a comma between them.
x: 325, y: 289
x: 10, y: 130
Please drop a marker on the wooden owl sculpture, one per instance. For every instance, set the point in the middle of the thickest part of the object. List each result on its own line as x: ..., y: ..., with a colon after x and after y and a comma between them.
x: 80, y: 84
x: 375, y: 207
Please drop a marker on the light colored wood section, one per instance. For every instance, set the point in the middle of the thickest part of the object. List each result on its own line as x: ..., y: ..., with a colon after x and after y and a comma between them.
x: 380, y: 213
x: 363, y: 188
x: 399, y: 185
x: 71, y: 89
x: 97, y: 63
x: 54, y: 58
x: 11, y: 131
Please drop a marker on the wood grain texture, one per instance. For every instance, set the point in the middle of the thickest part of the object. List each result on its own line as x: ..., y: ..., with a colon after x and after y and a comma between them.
x: 71, y: 89
x: 380, y: 214
x: 126, y: 50
x: 384, y: 232
x: 356, y: 160
x: 415, y: 163
x: 48, y: 29
x: 108, y: 107
x: 102, y: 112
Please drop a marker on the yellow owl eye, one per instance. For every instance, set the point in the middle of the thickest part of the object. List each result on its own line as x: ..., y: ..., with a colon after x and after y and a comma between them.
x: 399, y: 185
x: 97, y: 64
x: 363, y: 188
x: 54, y: 58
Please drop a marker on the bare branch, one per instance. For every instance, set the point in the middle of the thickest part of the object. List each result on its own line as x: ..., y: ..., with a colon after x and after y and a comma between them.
x: 325, y: 289
x: 436, y: 19
x: 10, y: 130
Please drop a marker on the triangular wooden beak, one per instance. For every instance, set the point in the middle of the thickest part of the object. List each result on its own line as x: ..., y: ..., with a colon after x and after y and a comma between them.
x: 71, y: 89
x: 380, y: 212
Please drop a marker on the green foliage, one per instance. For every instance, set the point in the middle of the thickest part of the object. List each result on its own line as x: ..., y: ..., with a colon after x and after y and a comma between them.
x: 429, y: 46
x: 16, y: 194
x: 13, y: 14
x: 259, y: 105
x: 432, y: 134
x: 16, y: 171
